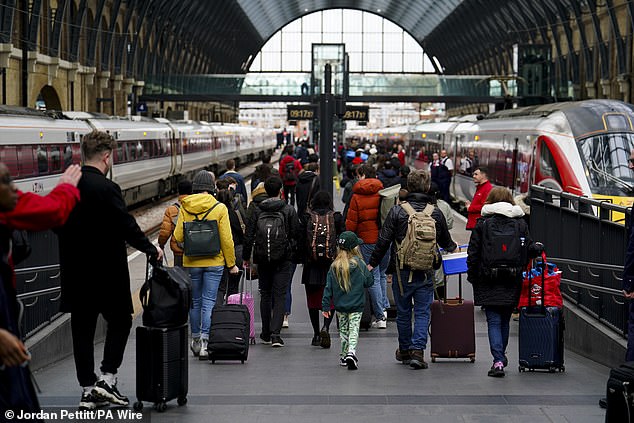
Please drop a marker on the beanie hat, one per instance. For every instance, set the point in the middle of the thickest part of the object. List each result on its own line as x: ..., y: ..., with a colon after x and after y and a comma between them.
x: 348, y: 240
x: 203, y: 182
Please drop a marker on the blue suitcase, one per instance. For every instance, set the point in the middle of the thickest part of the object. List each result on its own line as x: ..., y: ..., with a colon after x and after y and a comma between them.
x: 541, y: 335
x: 541, y: 340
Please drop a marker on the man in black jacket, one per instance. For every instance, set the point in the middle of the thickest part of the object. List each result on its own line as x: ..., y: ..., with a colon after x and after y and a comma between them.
x: 94, y: 271
x: 274, y: 274
x: 420, y: 289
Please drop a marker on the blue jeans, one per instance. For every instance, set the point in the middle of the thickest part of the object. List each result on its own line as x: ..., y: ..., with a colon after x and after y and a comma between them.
x: 498, y: 319
x: 421, y: 290
x: 376, y: 294
x: 383, y: 272
x: 289, y: 296
x: 205, y: 283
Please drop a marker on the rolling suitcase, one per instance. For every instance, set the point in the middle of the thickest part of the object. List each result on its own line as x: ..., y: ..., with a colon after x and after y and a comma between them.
x: 452, y: 320
x: 620, y: 394
x: 161, y: 366
x: 247, y: 299
x: 229, y: 333
x: 541, y: 335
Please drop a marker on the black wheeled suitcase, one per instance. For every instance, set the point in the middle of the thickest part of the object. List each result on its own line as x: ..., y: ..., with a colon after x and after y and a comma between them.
x: 541, y: 336
x: 620, y: 394
x: 229, y: 332
x: 161, y: 366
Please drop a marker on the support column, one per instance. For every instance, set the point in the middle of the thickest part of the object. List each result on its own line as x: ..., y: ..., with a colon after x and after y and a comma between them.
x: 326, y: 112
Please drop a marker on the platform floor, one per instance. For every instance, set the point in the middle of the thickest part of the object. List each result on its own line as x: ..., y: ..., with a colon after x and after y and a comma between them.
x: 301, y: 383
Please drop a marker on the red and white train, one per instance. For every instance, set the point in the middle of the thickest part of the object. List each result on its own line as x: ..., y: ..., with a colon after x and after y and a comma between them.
x: 152, y: 154
x: 580, y: 147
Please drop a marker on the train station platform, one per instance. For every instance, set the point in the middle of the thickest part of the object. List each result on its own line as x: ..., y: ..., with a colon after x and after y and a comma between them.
x: 302, y: 383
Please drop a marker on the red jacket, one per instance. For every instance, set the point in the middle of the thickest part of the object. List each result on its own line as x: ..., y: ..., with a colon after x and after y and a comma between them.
x: 363, y: 214
x: 36, y: 213
x: 298, y: 167
x: 357, y: 160
x: 401, y: 157
x: 480, y: 196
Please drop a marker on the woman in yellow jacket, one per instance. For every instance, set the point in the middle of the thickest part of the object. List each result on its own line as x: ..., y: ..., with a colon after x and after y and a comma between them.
x: 205, y: 272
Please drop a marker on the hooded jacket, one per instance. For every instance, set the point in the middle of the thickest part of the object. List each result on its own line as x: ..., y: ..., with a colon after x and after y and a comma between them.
x: 492, y: 292
x: 363, y: 213
x: 352, y: 301
x: 198, y: 204
x: 389, y: 177
x: 298, y: 166
x: 480, y: 196
x: 168, y: 225
x: 395, y: 227
x: 290, y: 219
x: 307, y: 186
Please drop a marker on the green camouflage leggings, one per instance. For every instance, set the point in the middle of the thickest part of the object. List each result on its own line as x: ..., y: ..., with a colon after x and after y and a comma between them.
x: 349, y: 331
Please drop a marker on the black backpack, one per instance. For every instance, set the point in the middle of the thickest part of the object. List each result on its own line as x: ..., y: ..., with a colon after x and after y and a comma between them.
x: 166, y: 297
x: 201, y: 236
x: 271, y: 242
x: 322, y: 236
x: 504, y: 249
x: 289, y: 171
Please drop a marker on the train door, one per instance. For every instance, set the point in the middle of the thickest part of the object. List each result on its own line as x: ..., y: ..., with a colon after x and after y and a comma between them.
x: 176, y: 141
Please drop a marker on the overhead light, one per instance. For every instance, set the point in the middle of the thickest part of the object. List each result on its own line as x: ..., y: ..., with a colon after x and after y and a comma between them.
x: 378, y: 10
x: 305, y: 10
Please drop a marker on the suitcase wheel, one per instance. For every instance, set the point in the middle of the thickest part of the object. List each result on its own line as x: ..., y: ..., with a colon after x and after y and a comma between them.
x: 433, y: 359
x: 160, y: 406
x: 472, y: 359
x: 521, y: 369
x: 181, y: 400
x: 562, y: 369
x: 252, y: 341
x: 138, y: 406
x: 213, y: 361
x: 242, y: 361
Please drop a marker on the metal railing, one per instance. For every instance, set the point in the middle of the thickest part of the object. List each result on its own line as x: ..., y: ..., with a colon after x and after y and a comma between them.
x: 585, y: 239
x: 38, y: 284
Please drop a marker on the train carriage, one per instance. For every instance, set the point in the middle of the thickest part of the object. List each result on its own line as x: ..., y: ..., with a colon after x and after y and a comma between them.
x: 37, y: 148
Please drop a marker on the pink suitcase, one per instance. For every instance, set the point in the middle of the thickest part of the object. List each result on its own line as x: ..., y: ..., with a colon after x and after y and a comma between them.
x: 248, y: 300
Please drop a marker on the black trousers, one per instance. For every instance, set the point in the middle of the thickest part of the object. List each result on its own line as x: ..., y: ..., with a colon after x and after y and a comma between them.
x: 83, y: 325
x: 274, y: 280
x: 289, y: 194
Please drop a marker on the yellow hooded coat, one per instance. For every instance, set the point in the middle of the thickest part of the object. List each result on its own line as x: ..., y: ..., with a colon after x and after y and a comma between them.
x: 197, y: 204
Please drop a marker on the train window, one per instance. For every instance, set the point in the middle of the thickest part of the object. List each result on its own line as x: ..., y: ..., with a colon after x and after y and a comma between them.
x: 606, y: 158
x: 9, y: 156
x: 68, y: 156
x: 42, y: 160
x: 616, y: 122
x: 131, y: 147
x: 119, y: 156
x: 26, y: 164
x: 55, y: 156
x: 547, y: 164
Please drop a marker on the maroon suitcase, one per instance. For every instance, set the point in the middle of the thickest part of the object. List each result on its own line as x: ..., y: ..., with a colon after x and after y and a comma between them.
x: 452, y: 325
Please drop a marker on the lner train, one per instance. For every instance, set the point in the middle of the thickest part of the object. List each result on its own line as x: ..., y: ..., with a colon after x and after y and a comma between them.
x: 152, y: 154
x: 579, y: 147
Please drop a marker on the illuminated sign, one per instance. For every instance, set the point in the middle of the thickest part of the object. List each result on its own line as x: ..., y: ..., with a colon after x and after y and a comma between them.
x: 361, y: 113
x: 304, y: 112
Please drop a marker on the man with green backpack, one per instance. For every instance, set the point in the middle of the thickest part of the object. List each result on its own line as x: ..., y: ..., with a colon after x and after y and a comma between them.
x: 414, y: 229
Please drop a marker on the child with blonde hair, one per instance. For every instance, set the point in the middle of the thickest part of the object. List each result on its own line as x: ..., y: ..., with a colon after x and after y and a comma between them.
x: 347, y: 280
